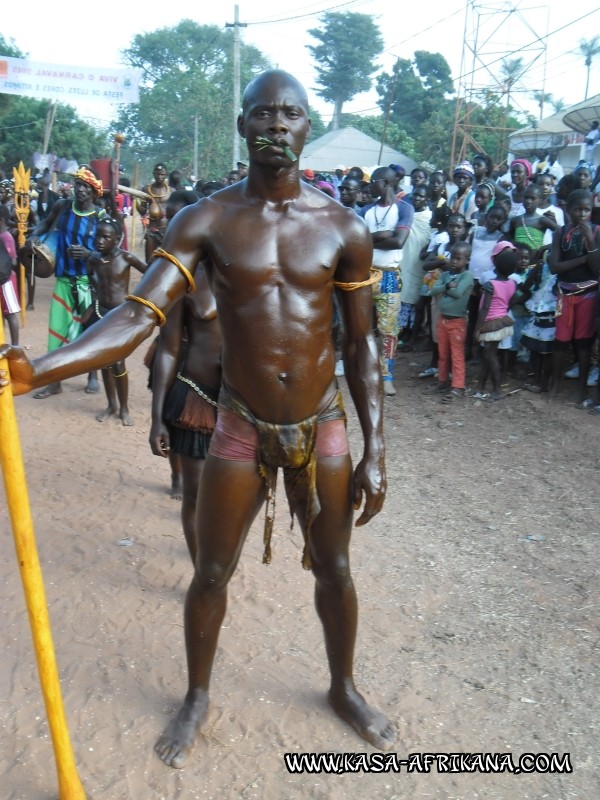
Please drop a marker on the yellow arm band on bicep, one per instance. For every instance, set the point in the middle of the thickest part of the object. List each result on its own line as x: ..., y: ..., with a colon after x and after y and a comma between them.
x: 160, y: 253
x: 160, y: 317
x: 351, y: 286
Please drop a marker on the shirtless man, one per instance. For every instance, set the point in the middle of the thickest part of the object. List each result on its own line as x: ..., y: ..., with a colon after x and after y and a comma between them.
x: 273, y: 248
x: 110, y: 267
x: 159, y: 191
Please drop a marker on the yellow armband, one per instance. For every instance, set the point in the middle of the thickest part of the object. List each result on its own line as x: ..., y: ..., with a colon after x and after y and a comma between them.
x: 351, y: 286
x: 161, y: 319
x: 160, y: 253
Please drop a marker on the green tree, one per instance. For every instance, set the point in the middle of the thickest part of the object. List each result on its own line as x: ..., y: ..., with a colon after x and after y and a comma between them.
x: 346, y: 57
x: 589, y: 48
x: 541, y: 98
x: 511, y: 70
x: 414, y: 90
x: 187, y: 81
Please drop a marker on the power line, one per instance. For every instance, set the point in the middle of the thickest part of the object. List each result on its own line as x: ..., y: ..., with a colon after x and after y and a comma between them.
x: 310, y: 14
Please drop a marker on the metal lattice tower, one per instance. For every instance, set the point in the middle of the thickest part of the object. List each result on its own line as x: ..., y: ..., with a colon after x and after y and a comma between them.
x: 494, y: 34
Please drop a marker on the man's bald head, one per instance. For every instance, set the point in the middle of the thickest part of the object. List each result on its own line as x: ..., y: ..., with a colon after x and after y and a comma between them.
x: 383, y: 174
x: 266, y: 81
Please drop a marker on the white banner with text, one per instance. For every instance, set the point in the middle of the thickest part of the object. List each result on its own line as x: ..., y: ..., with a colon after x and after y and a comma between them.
x: 68, y: 83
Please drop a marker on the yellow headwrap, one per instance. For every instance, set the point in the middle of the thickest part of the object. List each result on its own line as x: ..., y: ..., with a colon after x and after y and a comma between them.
x: 88, y: 177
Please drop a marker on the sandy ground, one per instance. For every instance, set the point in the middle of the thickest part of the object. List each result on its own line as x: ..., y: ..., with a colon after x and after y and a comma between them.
x: 478, y: 588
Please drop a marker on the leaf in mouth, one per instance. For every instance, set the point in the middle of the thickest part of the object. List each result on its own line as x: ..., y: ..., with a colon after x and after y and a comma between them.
x: 261, y: 142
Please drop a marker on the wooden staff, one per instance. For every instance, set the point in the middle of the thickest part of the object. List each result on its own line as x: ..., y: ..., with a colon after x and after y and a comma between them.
x: 11, y: 462
x: 21, y: 177
x: 134, y: 209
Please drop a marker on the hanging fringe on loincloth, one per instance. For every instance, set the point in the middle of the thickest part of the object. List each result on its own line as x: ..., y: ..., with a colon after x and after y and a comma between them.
x: 190, y: 406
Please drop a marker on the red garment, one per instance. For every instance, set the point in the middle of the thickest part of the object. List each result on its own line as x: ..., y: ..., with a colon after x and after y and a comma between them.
x: 452, y: 334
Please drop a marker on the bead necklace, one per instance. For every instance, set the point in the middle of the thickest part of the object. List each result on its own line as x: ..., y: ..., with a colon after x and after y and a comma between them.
x: 528, y: 233
x: 84, y: 213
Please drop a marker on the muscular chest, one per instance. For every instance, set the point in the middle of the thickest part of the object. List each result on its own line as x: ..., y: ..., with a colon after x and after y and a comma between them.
x: 259, y: 247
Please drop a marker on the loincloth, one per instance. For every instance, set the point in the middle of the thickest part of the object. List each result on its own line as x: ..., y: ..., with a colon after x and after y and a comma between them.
x: 294, y: 447
x: 190, y: 413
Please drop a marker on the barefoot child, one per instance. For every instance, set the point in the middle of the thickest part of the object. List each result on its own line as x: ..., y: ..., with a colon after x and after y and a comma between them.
x: 453, y: 288
x: 110, y: 267
x: 494, y: 323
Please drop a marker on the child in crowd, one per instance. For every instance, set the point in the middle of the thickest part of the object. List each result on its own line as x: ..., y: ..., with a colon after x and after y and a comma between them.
x: 436, y: 259
x: 485, y: 195
x: 440, y: 211
x: 453, y: 289
x: 539, y: 330
x: 520, y: 173
x: 518, y: 311
x: 494, y: 322
x: 504, y: 202
x: 483, y: 240
x: 547, y: 204
x: 462, y: 201
x: 529, y: 228
x: 110, y: 268
x: 575, y: 260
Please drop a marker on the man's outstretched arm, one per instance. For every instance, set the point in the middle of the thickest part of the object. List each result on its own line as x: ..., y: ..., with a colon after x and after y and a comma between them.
x: 118, y: 333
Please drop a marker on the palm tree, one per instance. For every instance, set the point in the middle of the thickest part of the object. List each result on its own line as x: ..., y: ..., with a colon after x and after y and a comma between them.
x: 541, y: 98
x: 589, y: 48
x: 558, y: 104
x: 511, y: 70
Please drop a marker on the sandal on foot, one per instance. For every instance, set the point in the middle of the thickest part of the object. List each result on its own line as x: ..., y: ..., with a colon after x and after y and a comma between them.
x: 480, y: 396
x: 531, y: 387
x: 595, y: 409
x: 585, y: 405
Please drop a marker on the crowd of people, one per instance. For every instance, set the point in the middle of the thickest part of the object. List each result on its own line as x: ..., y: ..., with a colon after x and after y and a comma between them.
x: 414, y: 222
x: 443, y: 244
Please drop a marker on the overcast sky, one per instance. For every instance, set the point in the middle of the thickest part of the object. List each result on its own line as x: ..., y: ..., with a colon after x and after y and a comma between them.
x: 501, y: 29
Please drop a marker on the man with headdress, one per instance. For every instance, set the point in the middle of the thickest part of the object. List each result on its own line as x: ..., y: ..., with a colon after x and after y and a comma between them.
x: 76, y: 221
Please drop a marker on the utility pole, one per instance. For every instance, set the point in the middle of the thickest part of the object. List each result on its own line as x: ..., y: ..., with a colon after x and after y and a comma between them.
x: 236, y: 25
x: 195, y: 166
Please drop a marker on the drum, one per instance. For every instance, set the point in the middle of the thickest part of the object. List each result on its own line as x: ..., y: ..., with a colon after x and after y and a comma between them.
x: 41, y: 255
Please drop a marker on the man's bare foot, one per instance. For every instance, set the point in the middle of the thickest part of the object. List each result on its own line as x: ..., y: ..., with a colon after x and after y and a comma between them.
x: 125, y: 418
x: 369, y: 723
x: 47, y: 391
x: 104, y: 415
x: 179, y: 737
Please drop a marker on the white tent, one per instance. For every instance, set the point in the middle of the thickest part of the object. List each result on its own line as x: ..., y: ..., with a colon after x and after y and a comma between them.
x: 350, y: 148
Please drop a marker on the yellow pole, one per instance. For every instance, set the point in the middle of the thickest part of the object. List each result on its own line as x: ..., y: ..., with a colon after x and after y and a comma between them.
x: 21, y: 177
x: 13, y: 471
